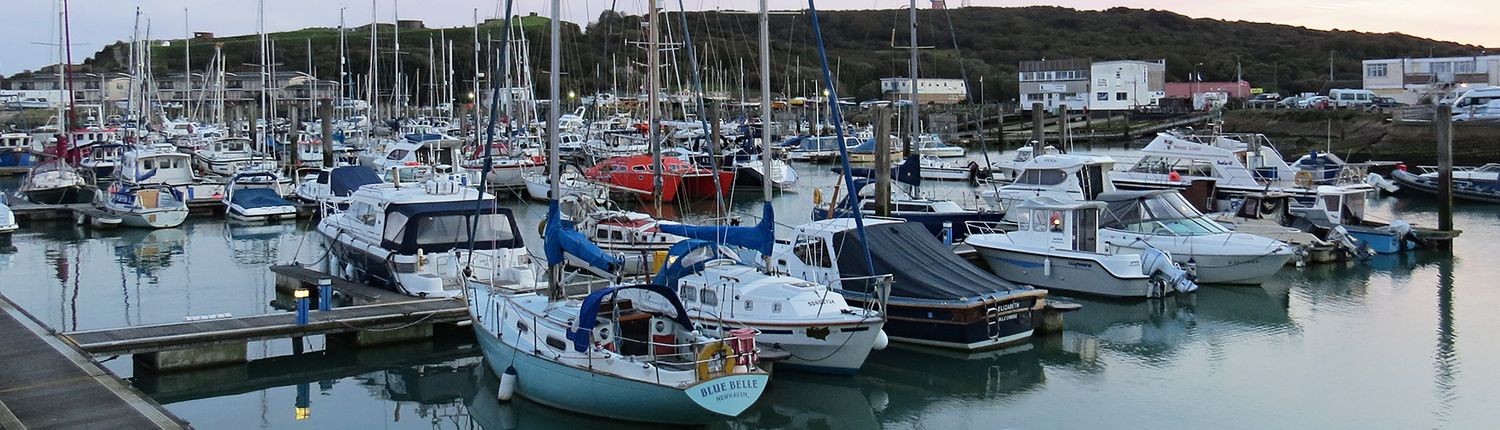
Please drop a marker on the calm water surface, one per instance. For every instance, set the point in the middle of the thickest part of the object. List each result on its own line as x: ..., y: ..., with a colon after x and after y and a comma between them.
x: 1398, y: 342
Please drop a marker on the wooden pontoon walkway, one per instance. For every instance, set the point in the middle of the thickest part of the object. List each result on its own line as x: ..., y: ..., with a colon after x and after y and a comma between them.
x: 48, y: 384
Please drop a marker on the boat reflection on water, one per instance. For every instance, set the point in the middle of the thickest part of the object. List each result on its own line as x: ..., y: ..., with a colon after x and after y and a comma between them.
x: 813, y: 401
x: 257, y: 245
x: 148, y: 251
x: 486, y: 410
x: 904, y: 381
x: 1159, y: 329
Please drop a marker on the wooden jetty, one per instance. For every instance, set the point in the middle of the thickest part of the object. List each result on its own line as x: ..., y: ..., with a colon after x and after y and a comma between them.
x: 50, y: 384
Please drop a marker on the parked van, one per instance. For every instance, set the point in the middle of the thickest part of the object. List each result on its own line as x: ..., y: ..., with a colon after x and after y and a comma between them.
x: 1350, y: 98
x: 1477, y: 97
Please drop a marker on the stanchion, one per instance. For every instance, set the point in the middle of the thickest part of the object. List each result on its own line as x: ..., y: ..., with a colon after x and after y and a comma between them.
x: 301, y: 296
x: 325, y: 294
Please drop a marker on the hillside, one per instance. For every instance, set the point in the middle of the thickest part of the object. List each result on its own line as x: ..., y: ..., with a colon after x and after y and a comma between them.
x: 991, y: 41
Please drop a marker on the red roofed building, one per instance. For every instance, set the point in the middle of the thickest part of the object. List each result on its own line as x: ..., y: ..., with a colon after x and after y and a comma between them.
x: 1186, y: 90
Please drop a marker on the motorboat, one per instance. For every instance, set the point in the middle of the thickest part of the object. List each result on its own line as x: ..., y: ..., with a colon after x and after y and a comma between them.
x: 408, y: 237
x: 573, y: 181
x: 56, y: 182
x: 1009, y: 170
x: 608, y: 355
x: 8, y: 223
x: 144, y: 206
x: 252, y: 195
x: 310, y: 153
x: 942, y: 217
x: 723, y: 291
x: 1061, y: 177
x: 1056, y: 246
x: 162, y: 164
x: 1341, y: 211
x: 865, y: 152
x: 931, y: 144
x: 102, y: 159
x: 1475, y: 184
x: 1270, y: 215
x: 1162, y: 219
x: 331, y: 188
x: 934, y: 297
x: 506, y: 171
x: 226, y: 156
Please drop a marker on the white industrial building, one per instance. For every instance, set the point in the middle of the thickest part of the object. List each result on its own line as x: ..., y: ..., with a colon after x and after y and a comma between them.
x: 1411, y: 80
x: 1126, y: 84
x: 929, y: 90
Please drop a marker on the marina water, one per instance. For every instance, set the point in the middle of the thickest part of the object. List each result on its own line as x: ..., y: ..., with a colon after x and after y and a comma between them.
x: 1402, y: 341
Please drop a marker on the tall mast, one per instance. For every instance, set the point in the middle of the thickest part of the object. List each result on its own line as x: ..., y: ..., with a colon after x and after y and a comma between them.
x: 343, y: 56
x: 652, y: 111
x: 477, y: 75
x: 555, y: 290
x: 398, y: 97
x: 187, y: 65
x: 765, y: 98
x: 911, y: 135
x: 371, y: 90
x: 265, y: 79
x: 67, y: 72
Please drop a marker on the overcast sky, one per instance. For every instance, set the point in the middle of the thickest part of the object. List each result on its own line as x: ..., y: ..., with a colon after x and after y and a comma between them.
x: 95, y: 23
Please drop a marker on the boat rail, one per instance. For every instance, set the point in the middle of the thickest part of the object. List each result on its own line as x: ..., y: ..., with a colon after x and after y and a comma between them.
x: 988, y: 227
x: 880, y: 289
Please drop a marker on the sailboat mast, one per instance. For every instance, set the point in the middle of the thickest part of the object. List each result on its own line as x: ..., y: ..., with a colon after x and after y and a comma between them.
x: 67, y: 73
x: 187, y: 64
x: 765, y: 98
x: 911, y: 133
x: 653, y: 41
x: 371, y: 88
x: 554, y: 270
x: 343, y: 56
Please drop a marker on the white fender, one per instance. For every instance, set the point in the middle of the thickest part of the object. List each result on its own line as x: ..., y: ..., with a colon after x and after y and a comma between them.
x: 881, y: 340
x: 507, y: 385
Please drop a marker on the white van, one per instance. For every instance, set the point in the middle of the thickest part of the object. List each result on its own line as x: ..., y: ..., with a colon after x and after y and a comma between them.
x: 1347, y: 98
x: 1476, y: 97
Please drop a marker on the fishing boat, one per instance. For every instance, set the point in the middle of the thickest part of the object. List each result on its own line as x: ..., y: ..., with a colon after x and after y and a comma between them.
x: 144, y: 206
x: 56, y: 182
x: 1056, y: 246
x: 723, y: 291
x: 935, y: 298
x: 8, y: 223
x: 1162, y: 219
x: 15, y: 150
x: 1475, y: 184
x: 251, y: 195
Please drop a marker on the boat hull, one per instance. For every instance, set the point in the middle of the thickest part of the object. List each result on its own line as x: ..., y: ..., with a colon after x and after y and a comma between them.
x: 156, y: 218
x: 1474, y: 191
x: 60, y: 196
x: 966, y: 326
x: 1246, y: 269
x: 1078, y: 274
x: 835, y: 348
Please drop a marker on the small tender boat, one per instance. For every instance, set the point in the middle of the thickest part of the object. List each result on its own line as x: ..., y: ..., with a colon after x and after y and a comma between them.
x: 1476, y: 184
x: 1056, y: 246
x: 1162, y: 219
x: 251, y: 195
x: 145, y: 206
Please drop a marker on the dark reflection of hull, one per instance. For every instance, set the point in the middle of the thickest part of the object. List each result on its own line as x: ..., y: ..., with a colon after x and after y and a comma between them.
x: 486, y: 409
x: 912, y: 379
x: 810, y: 401
x: 256, y: 244
x: 1158, y: 329
x: 147, y: 251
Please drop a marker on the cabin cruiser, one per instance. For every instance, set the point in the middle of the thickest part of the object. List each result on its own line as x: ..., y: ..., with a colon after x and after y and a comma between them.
x: 932, y: 145
x: 310, y: 153
x: 724, y: 291
x: 144, y: 206
x: 507, y: 171
x: 442, y: 154
x: 56, y: 182
x: 1476, y: 184
x: 407, y: 236
x: 1056, y: 246
x: 228, y: 155
x: 634, y: 237
x: 162, y: 164
x: 102, y: 159
x: 331, y: 188
x: 1235, y: 164
x: 1061, y: 177
x: 1009, y: 170
x: 252, y: 195
x: 934, y: 298
x: 1162, y: 219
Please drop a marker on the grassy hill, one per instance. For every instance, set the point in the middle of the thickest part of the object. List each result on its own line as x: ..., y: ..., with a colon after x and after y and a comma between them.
x: 990, y: 42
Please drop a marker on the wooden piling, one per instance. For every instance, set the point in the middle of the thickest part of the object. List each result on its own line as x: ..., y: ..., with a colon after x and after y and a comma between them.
x: 325, y: 115
x: 1064, y: 130
x: 1036, y: 122
x: 882, y: 161
x: 1443, y: 119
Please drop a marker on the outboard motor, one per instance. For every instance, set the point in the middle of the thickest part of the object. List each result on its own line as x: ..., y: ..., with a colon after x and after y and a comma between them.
x: 1352, y: 245
x: 1164, y: 272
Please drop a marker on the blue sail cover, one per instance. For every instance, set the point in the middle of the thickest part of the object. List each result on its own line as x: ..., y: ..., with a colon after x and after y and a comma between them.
x: 758, y: 237
x: 563, y: 240
x: 588, y: 312
x: 673, y: 272
x: 343, y: 181
x: 910, y: 172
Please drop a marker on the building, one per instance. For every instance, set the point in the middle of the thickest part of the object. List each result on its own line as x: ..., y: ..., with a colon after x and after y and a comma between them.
x: 929, y: 90
x: 174, y: 88
x: 1190, y: 90
x: 1410, y: 80
x: 1127, y: 84
x: 1055, y: 83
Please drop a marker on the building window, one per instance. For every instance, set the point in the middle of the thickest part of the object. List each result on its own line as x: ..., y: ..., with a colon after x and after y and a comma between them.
x: 1463, y: 67
x: 1102, y: 83
x: 1034, y: 97
x: 1122, y: 96
x: 1101, y: 96
x: 1442, y: 67
x: 1376, y: 70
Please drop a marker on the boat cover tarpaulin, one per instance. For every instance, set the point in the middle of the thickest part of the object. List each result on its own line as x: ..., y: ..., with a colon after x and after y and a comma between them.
x: 681, y: 264
x: 922, y: 267
x: 343, y: 181
x: 251, y: 198
x: 759, y: 237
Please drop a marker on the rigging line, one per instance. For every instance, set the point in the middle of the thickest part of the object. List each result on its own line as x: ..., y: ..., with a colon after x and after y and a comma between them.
x: 720, y: 209
x: 489, y: 138
x: 836, y: 114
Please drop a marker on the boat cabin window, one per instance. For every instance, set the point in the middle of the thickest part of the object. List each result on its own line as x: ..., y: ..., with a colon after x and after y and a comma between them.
x: 814, y: 252
x: 1086, y: 230
x: 399, y: 154
x: 616, y: 235
x: 710, y: 297
x: 688, y: 293
x: 775, y: 307
x: 1042, y: 177
x: 749, y: 305
x: 454, y: 229
x: 601, y: 233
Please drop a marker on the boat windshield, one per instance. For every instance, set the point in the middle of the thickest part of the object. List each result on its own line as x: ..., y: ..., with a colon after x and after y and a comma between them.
x: 1166, y: 214
x: 1198, y: 226
x: 1042, y: 177
x: 450, y: 230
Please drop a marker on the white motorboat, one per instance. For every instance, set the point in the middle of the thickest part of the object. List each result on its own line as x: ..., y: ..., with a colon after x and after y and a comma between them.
x: 1164, y: 220
x: 932, y: 145
x: 936, y: 169
x: 573, y: 182
x: 723, y: 291
x: 252, y: 195
x: 144, y: 206
x: 227, y: 156
x: 1061, y: 177
x: 1009, y: 170
x: 8, y: 223
x: 506, y: 171
x: 163, y: 164
x: 750, y: 172
x: 331, y: 189
x: 1056, y: 246
x: 1235, y: 164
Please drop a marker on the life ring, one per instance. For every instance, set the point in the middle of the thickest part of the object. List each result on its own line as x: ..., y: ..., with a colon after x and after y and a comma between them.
x: 541, y: 228
x: 817, y: 196
x: 708, y: 353
x: 1304, y: 179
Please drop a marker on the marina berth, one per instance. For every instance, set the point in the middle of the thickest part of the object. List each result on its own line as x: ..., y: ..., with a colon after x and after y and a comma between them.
x: 144, y: 206
x: 254, y: 196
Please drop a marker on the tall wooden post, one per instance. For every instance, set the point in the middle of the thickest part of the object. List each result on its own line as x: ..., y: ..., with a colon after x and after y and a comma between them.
x: 325, y: 117
x: 1036, y: 123
x: 1444, y: 121
x: 882, y: 161
x: 1064, y: 130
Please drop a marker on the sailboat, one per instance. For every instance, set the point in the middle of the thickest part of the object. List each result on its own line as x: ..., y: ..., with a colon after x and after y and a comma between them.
x: 602, y: 355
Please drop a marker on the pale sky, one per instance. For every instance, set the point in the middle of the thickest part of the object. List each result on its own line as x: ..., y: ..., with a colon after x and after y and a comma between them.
x: 96, y: 23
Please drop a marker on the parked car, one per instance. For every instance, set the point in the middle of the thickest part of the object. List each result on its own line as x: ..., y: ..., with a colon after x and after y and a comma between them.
x: 1289, y: 102
x: 1314, y: 102
x: 1263, y: 100
x: 1387, y: 102
x: 1351, y: 98
x: 1486, y: 112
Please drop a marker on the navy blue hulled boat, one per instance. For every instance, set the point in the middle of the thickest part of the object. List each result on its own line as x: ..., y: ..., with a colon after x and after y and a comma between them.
x: 937, y: 216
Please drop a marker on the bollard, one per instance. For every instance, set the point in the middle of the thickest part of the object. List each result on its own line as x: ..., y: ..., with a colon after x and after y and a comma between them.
x: 325, y: 294
x: 303, y: 402
x: 948, y: 232
x: 301, y: 296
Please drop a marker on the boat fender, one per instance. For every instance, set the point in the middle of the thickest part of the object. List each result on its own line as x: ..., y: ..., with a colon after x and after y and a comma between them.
x: 507, y: 385
x: 881, y: 340
x: 1047, y: 267
x: 817, y: 196
x: 707, y: 356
